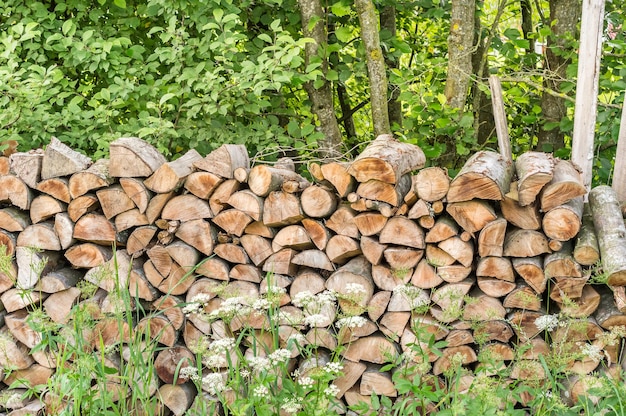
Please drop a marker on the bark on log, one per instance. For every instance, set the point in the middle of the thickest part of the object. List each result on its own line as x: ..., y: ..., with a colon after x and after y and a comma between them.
x: 534, y: 170
x: 586, y: 250
x: 131, y: 157
x: 224, y: 160
x: 485, y: 175
x: 566, y: 184
x: 60, y: 160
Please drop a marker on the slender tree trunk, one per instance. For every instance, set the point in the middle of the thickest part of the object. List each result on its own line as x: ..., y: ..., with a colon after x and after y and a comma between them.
x: 460, y: 48
x: 321, y: 98
x: 527, y: 24
x: 388, y: 23
x: 375, y: 66
x: 564, y: 15
x: 483, y: 112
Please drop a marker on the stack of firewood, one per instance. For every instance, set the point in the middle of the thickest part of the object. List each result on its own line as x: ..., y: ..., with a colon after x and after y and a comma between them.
x: 480, y: 261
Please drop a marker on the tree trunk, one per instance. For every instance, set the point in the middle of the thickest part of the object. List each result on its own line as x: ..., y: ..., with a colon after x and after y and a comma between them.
x: 388, y: 23
x: 460, y: 43
x: 375, y: 66
x: 313, y: 26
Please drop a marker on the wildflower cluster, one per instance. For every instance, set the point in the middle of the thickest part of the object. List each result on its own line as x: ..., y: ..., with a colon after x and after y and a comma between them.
x: 417, y: 298
x: 319, y: 310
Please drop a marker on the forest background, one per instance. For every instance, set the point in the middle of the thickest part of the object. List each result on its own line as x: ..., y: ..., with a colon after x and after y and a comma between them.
x: 305, y: 78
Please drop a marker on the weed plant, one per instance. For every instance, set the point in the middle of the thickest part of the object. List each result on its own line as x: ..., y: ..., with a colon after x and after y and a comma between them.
x: 260, y: 359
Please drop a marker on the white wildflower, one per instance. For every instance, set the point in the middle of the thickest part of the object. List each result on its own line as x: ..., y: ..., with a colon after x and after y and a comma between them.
x: 302, y: 299
x: 333, y: 367
x: 261, y: 304
x: 547, y: 322
x: 594, y: 352
x: 259, y: 364
x: 297, y: 338
x: 281, y: 355
x: 326, y: 297
x: 415, y: 296
x: 190, y: 308
x: 355, y: 289
x: 244, y: 373
x: 201, y: 298
x: 213, y: 383
x: 189, y: 373
x: 261, y: 392
x: 351, y: 322
x: 287, y: 318
x: 292, y: 405
x: 306, y: 382
x: 331, y: 390
x: 316, y: 320
x: 222, y: 345
x: 215, y: 360
x: 275, y: 290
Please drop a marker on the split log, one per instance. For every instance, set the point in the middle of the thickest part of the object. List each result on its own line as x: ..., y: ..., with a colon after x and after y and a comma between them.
x: 159, y: 329
x: 94, y: 177
x: 379, y: 190
x: 292, y: 236
x: 202, y: 184
x: 60, y: 160
x: 280, y: 262
x: 444, y: 363
x: 316, y: 259
x: 356, y: 272
x: 402, y: 231
x: 608, y: 315
x: 420, y: 208
x: 307, y: 280
x: 82, y: 205
x: 224, y: 160
x: 443, y: 229
x: 13, y: 219
x: 342, y: 222
x: 563, y: 222
x: 586, y: 250
x: 370, y: 223
x: 96, y: 229
x: 373, y: 349
x: 232, y: 221
x: 566, y: 184
x: 534, y: 170
x: 388, y: 279
x: 425, y: 276
x: 14, y: 354
x: 431, y: 184
x: 138, y: 193
x: 186, y: 208
x: 247, y: 202
x: 497, y: 288
x: 15, y: 191
x: 258, y: 248
x: 525, y: 243
x: 64, y: 229
x: 318, y: 202
x: 113, y: 201
x: 526, y: 217
x: 472, y: 215
x: 59, y: 305
x: 130, y: 219
x: 386, y: 159
x: 88, y: 255
x: 491, y: 238
x: 171, y: 175
x: 611, y: 232
x: 262, y: 179
x: 372, y: 249
x: 113, y: 274
x: 402, y: 258
x: 453, y: 273
x: 481, y: 307
x: 523, y: 323
x: 131, y: 157
x: 177, y: 398
x: 584, y: 306
x: 531, y: 270
x: 199, y: 234
x: 523, y: 297
x: 282, y: 208
x: 497, y: 267
x: 57, y: 188
x: 337, y: 174
x: 27, y: 166
x: 485, y: 175
x: 38, y: 236
x: 461, y: 251
x: 14, y: 299
x: 373, y: 381
x: 341, y: 248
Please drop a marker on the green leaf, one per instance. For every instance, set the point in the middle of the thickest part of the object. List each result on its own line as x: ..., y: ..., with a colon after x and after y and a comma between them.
x: 218, y: 14
x: 341, y: 9
x: 265, y: 38
x: 120, y: 3
x: 67, y: 26
x: 344, y: 34
x: 332, y: 75
x: 165, y: 98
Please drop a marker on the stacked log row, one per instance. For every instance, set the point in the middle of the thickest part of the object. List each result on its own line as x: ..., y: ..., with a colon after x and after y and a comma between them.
x: 486, y: 262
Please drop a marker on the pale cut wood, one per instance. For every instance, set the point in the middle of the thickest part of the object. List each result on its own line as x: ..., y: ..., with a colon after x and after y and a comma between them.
x: 59, y: 305
x: 247, y: 202
x: 392, y: 324
x: 493, y: 330
x: 443, y: 229
x: 60, y: 160
x: 292, y: 236
x: 131, y: 157
x: 356, y: 271
x: 57, y: 188
x: 14, y: 299
x: 526, y: 217
x: 421, y: 208
x: 186, y: 208
x: 370, y: 223
x: 158, y: 328
x: 232, y: 221
x: 386, y: 159
x: 351, y: 373
x: 8, y: 241
x: 586, y: 250
x: 202, y: 184
x: 88, y: 255
x: 531, y: 270
x: 14, y: 355
x: 15, y: 191
x: 431, y: 184
x: 307, y: 280
x: 139, y: 239
x: 139, y: 286
x: 472, y: 215
x: 379, y: 190
x: 281, y: 209
x: 458, y: 337
x: 485, y: 175
x: 27, y: 166
x: 534, y: 170
x: 96, y: 229
x: 94, y: 177
x: 199, y: 234
x: 498, y: 267
x: 224, y: 160
x: 39, y: 236
x: 562, y: 264
x: 378, y: 305
x: 113, y: 201
x: 566, y: 184
x: 373, y: 381
x: 130, y: 219
x: 373, y: 349
x: 341, y: 248
x: 33, y: 376
x: 523, y: 324
x: 450, y: 297
x: 425, y: 276
x: 231, y: 253
x: 5, y: 165
x: 214, y: 268
x: 220, y: 196
x: 607, y: 314
x: 525, y: 243
x: 316, y: 259
x: 461, y: 251
x: 481, y: 307
x: 523, y: 297
x: 563, y: 222
x: 491, y: 238
x: 565, y: 288
x: 342, y: 222
x: 317, y: 231
x: 170, y: 306
x: 113, y: 274
x: 64, y: 229
x: 611, y: 232
x: 17, y: 323
x: 585, y: 305
x: 171, y: 175
x: 497, y: 288
x: 177, y: 398
x: 137, y: 192
x: 372, y: 249
x: 407, y: 298
x: 445, y: 362
x: 318, y: 202
x: 453, y: 273
x: 402, y: 231
x: 388, y: 279
x: 58, y: 280
x: 337, y: 174
x: 280, y: 262
x: 438, y: 257
x: 258, y: 248
x: 13, y: 219
x: 264, y: 179
x: 402, y: 258
x: 82, y: 205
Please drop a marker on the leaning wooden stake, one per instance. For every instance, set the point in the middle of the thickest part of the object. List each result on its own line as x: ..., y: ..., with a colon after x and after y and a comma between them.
x: 619, y: 175
x: 499, y: 116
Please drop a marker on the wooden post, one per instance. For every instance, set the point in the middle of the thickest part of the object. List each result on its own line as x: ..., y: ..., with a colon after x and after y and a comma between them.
x: 499, y: 115
x: 587, y: 86
x: 619, y: 171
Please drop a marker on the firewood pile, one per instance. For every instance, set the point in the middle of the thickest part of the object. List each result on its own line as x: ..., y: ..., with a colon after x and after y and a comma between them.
x: 487, y: 262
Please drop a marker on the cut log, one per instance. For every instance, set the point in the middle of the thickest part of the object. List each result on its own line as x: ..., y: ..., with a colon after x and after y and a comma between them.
x: 522, y: 297
x: 566, y: 184
x: 491, y: 238
x: 526, y: 217
x: 481, y: 307
x: 461, y: 251
x: 247, y: 202
x: 425, y: 276
x: 525, y: 243
x: 443, y: 229
x: 280, y: 262
x: 64, y: 229
x: 497, y: 267
x: 566, y: 288
x: 386, y: 159
x: 531, y: 270
x: 563, y: 222
x: 472, y: 215
x: 199, y: 234
x: 372, y: 249
x: 316, y: 259
x: 139, y: 239
x: 224, y: 160
x: 13, y: 219
x: 14, y: 299
x: 231, y: 253
x: 523, y: 323
x: 497, y: 288
x: 453, y: 273
x: 264, y: 179
x: 131, y: 157
x: 232, y: 221
x: 370, y: 223
x: 113, y: 200
x: 60, y: 160
x: 438, y: 257
x: 15, y: 191
x: 534, y: 170
x: 342, y: 222
x: 337, y: 174
x: 257, y: 248
x: 171, y: 175
x: 57, y: 188
x: 420, y: 209
x: 177, y: 398
x: 214, y: 268
x: 88, y: 255
x: 388, y: 279
x: 373, y: 381
x: 379, y: 190
x: 94, y: 177
x: 402, y: 258
x: 17, y: 323
x: 586, y: 251
x: 14, y: 354
x: 561, y: 264
x: 584, y: 306
x: 139, y: 286
x: 485, y: 175
x: 282, y: 208
x: 59, y: 305
x: 186, y: 208
x: 96, y: 229
x: 340, y: 248
x: 373, y: 349
x: 608, y: 315
x: 82, y: 205
x: 402, y: 231
x: 611, y: 232
x: 39, y: 236
x: 112, y: 275
x: 351, y: 373
x: 8, y: 241
x: 318, y: 202
x: 356, y: 272
x: 494, y: 330
x: 158, y: 328
x: 130, y: 219
x: 292, y: 236
x: 446, y: 361
x: 431, y: 184
x: 27, y: 166
x: 58, y: 280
